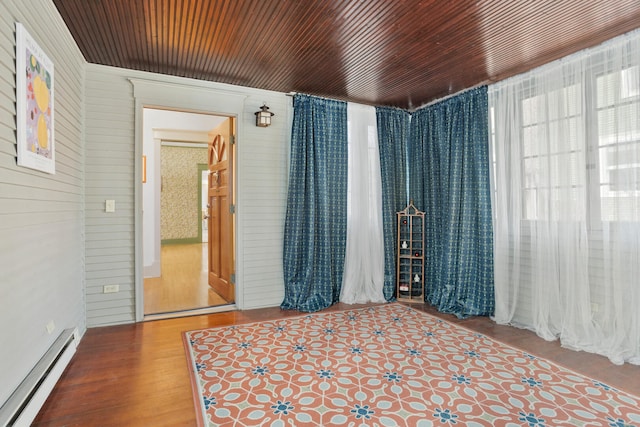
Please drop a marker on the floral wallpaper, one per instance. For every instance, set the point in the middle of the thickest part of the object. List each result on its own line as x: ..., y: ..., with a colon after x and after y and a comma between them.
x: 179, y: 211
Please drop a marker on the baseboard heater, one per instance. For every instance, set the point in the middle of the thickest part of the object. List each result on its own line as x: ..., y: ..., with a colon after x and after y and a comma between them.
x: 24, y: 404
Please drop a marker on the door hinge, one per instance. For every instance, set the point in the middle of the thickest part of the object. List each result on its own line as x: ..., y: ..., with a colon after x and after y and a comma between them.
x: 232, y: 209
x: 232, y: 279
x: 232, y: 139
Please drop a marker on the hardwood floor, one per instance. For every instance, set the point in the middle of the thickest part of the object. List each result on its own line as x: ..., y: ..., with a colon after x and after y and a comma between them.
x: 137, y: 375
x: 183, y: 283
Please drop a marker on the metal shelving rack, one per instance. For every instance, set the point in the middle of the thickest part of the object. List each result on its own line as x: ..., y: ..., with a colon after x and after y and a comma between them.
x: 410, y: 262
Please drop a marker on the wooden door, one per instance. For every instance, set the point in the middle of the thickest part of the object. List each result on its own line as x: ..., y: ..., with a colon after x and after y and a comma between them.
x: 220, y: 198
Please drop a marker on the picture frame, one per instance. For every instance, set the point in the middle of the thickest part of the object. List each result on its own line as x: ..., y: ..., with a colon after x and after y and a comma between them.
x: 34, y: 104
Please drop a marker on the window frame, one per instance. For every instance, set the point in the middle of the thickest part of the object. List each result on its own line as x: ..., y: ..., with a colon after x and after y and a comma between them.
x: 592, y: 151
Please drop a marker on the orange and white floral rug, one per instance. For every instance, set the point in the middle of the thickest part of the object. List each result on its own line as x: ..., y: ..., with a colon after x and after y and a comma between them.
x: 388, y: 365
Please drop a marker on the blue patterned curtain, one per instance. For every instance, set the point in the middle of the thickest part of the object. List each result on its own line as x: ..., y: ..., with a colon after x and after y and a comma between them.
x: 449, y: 180
x: 393, y: 133
x: 316, y: 221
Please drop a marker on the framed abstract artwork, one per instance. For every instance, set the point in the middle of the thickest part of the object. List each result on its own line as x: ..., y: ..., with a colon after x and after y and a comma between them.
x: 34, y: 104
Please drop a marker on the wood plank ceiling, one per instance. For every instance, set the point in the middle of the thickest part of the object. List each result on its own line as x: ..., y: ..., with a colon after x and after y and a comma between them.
x: 402, y: 53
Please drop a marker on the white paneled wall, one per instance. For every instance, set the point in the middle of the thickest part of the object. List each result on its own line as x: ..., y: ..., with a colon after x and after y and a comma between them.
x: 263, y: 173
x: 109, y: 131
x: 41, y: 215
x: 111, y: 161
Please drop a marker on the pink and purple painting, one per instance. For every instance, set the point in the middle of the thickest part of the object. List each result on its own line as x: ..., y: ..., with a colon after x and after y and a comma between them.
x: 35, y: 104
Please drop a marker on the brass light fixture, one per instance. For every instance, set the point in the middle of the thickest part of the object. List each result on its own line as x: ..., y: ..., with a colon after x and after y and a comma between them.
x: 263, y: 117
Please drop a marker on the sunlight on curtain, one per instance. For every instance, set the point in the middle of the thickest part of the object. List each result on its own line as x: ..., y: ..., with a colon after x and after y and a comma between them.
x: 364, y: 258
x: 566, y: 200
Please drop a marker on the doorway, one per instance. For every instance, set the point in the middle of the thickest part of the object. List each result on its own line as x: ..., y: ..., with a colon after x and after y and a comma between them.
x: 176, y: 230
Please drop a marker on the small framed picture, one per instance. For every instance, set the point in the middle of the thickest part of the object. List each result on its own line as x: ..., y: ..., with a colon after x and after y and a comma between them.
x: 35, y: 104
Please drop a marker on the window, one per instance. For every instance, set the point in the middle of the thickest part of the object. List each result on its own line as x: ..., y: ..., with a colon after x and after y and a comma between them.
x: 552, y: 125
x: 580, y: 147
x: 618, y: 120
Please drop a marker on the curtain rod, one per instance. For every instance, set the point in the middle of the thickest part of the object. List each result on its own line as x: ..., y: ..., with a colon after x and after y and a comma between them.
x: 293, y: 93
x: 412, y: 109
x: 450, y: 95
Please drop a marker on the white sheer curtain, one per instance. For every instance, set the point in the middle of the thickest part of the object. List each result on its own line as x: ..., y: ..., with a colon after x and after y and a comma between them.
x: 363, y: 277
x: 566, y: 187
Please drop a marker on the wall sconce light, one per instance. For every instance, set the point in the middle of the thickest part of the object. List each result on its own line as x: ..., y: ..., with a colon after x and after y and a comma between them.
x: 263, y: 117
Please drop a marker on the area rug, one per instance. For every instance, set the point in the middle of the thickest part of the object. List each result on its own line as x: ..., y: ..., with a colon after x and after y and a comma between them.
x: 388, y: 365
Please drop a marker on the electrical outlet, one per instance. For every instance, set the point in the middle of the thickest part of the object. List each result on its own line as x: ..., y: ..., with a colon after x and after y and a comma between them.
x: 51, y: 326
x: 110, y: 289
x: 594, y: 307
x: 109, y: 206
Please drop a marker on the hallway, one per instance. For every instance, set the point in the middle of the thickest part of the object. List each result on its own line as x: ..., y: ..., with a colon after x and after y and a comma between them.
x: 183, y: 281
